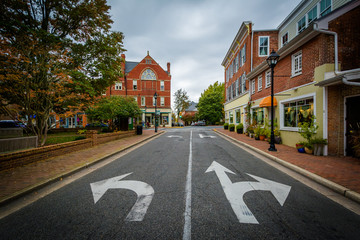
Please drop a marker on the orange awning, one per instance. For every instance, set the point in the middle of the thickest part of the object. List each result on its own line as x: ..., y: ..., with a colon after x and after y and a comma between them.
x: 266, y: 102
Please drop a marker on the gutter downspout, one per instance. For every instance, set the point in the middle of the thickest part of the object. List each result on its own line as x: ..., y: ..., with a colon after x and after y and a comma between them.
x: 337, y: 72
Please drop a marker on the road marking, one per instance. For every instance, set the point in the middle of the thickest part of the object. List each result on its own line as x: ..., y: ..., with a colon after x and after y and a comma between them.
x: 174, y: 136
x: 206, y: 136
x: 234, y: 192
x: 143, y: 190
x: 187, y: 213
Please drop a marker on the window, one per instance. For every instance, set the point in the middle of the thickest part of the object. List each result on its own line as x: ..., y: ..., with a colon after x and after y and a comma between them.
x: 267, y: 79
x: 162, y: 86
x: 299, y: 111
x: 231, y: 117
x: 263, y: 46
x: 142, y: 101
x: 135, y: 84
x: 259, y: 83
x: 285, y: 39
x: 296, y: 64
x: 301, y: 25
x: 252, y: 86
x: 238, y: 86
x: 154, y: 101
x: 233, y: 90
x: 148, y: 61
x: 236, y: 63
x: 118, y: 85
x: 237, y: 116
x: 325, y: 7
x: 258, y: 116
x: 135, y: 98
x: 243, y: 55
x: 312, y: 15
x: 162, y: 101
x: 239, y: 58
x: 148, y: 74
x: 243, y: 83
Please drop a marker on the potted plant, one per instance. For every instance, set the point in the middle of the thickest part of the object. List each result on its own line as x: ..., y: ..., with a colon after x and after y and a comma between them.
x: 300, y: 146
x: 277, y: 136
x: 308, y: 147
x: 226, y: 126
x: 240, y: 128
x: 232, y: 127
x: 319, y: 144
x: 308, y: 130
x: 262, y: 134
x: 257, y: 131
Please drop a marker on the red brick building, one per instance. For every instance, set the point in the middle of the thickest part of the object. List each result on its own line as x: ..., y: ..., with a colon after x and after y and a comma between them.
x: 141, y: 81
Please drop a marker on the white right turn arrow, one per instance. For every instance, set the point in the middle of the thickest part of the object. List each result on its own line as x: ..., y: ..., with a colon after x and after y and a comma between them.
x: 234, y: 192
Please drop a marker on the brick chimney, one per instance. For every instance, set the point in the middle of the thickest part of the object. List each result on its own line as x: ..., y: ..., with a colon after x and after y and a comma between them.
x: 168, y: 68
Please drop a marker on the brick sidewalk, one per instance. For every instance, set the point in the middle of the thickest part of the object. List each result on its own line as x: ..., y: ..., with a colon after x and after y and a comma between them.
x: 344, y: 171
x: 17, y: 180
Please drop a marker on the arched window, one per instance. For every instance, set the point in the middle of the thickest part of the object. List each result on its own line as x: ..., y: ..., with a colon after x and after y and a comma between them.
x: 148, y: 74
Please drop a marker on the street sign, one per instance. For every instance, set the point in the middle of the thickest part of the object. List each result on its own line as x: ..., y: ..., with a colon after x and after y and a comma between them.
x: 143, y: 190
x: 157, y: 112
x: 234, y: 192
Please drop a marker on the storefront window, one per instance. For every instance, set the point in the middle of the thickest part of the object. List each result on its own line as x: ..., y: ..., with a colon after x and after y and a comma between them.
x: 258, y: 116
x: 298, y: 112
x: 237, y: 116
x: 231, y: 117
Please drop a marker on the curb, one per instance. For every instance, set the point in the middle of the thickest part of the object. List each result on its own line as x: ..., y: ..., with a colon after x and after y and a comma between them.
x: 58, y: 177
x: 346, y: 192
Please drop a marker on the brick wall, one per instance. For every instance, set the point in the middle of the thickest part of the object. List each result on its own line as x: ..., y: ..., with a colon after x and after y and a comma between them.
x: 16, y: 159
x: 336, y: 97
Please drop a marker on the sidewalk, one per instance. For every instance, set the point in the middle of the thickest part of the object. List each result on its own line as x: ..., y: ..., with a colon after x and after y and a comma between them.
x: 341, y: 174
x: 21, y: 180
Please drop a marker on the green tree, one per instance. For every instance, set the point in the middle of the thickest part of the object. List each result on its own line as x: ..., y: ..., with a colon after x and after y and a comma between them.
x: 211, y: 103
x: 114, y: 108
x: 56, y: 56
x: 181, y: 101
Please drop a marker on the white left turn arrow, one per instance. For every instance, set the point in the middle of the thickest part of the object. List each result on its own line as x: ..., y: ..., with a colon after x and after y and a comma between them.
x: 235, y: 192
x: 206, y: 136
x: 143, y: 190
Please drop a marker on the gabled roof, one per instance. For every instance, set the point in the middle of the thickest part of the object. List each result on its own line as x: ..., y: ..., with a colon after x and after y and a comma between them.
x: 130, y: 66
x: 192, y: 107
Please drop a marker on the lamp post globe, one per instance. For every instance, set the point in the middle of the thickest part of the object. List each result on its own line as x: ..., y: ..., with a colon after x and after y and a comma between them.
x: 155, y: 97
x: 272, y: 61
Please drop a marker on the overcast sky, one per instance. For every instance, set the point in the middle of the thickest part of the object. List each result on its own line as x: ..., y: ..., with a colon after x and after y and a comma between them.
x: 193, y: 35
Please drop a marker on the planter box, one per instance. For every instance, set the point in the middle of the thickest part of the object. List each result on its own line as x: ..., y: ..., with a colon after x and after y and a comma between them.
x: 318, y: 149
x: 241, y: 130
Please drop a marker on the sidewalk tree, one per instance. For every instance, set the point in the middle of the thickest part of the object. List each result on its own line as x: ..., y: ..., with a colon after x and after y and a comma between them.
x: 114, y: 108
x: 211, y: 103
x: 56, y: 56
x: 181, y: 101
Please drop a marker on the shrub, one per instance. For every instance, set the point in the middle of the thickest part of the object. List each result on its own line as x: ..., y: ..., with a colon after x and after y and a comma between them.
x: 226, y: 125
x: 232, y: 127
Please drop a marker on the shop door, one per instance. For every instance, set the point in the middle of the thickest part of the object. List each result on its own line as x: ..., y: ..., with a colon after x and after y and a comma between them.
x: 352, y: 124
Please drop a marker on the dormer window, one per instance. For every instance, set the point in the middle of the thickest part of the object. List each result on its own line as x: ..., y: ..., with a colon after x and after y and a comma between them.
x: 148, y: 61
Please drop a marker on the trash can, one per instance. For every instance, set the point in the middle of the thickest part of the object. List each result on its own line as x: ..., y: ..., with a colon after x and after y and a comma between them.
x: 139, y: 129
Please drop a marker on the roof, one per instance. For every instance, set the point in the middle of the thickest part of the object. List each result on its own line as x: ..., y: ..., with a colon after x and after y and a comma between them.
x: 192, y: 107
x: 130, y: 66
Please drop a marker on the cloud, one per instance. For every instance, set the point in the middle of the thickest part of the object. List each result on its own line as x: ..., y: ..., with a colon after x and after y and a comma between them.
x: 193, y: 35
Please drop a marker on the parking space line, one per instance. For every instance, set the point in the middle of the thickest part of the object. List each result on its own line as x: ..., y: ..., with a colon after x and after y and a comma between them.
x: 187, y: 213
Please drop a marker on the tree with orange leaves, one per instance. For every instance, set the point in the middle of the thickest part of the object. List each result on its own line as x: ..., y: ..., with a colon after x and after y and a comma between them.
x: 56, y: 56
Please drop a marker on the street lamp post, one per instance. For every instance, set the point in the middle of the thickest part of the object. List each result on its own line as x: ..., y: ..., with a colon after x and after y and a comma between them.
x: 272, y: 61
x: 155, y: 97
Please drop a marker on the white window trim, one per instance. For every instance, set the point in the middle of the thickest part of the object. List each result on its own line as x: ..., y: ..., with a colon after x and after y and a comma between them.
x: 282, y: 43
x: 267, y: 83
x: 154, y: 101
x: 118, y: 86
x: 268, y: 48
x: 297, y: 24
x: 162, y: 86
x: 143, y: 103
x: 281, y: 112
x: 162, y: 101
x: 252, y: 86
x: 293, y: 74
x: 259, y: 83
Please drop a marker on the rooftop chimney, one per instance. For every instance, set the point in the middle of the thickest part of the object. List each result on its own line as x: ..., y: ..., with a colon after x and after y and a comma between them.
x: 168, y: 68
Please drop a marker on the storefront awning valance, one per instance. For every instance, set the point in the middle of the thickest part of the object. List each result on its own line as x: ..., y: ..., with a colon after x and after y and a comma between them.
x: 266, y: 102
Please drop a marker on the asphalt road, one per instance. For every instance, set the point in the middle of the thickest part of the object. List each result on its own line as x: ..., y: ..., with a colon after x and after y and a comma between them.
x: 247, y: 200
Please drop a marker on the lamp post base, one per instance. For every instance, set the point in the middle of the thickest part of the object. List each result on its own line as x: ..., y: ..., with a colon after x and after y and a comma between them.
x: 272, y: 148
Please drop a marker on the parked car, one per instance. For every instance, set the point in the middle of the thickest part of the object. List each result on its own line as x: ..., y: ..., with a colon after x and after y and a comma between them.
x: 200, y: 123
x: 11, y: 124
